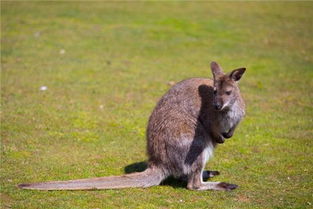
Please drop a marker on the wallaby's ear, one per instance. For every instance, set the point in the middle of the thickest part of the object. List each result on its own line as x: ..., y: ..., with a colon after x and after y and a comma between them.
x: 237, y: 73
x: 217, y: 71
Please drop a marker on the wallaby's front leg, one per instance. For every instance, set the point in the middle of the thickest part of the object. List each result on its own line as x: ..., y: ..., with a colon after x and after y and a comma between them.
x: 217, y: 137
x: 215, y: 134
x: 230, y: 133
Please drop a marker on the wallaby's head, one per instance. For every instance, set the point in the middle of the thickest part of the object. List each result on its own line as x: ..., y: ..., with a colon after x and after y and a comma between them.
x: 226, y: 90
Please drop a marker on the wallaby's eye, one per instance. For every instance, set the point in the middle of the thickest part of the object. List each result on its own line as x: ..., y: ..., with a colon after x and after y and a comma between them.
x: 228, y: 92
x: 214, y: 91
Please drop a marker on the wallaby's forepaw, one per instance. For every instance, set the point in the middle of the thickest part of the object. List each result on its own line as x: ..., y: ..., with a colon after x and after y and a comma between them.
x: 217, y: 137
x: 227, y: 135
x: 226, y: 186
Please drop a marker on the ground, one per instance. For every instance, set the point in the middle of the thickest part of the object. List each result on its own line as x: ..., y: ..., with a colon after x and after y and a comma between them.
x: 79, y: 81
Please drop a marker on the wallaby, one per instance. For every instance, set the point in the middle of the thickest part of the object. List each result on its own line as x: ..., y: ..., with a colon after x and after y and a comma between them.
x: 184, y: 128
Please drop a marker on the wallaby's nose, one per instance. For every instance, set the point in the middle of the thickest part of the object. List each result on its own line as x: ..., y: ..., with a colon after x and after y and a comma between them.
x: 218, y: 106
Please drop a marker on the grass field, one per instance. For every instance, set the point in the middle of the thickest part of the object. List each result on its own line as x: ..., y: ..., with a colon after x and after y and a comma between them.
x: 105, y: 65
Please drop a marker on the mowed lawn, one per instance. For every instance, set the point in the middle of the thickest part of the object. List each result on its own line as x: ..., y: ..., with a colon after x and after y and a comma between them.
x: 105, y: 65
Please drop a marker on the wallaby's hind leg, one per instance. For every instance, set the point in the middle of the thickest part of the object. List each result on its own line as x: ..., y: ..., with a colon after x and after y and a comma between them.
x: 209, y: 174
x: 195, y: 183
x: 205, y: 175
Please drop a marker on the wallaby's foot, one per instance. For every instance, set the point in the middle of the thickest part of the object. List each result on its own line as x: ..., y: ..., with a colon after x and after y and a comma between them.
x: 195, y: 183
x: 209, y: 174
x: 226, y: 186
x: 221, y: 186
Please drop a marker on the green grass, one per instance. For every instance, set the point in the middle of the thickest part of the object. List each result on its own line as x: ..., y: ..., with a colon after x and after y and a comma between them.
x: 118, y: 60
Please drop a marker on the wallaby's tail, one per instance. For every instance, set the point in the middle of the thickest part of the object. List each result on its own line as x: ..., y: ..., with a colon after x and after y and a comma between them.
x: 147, y: 178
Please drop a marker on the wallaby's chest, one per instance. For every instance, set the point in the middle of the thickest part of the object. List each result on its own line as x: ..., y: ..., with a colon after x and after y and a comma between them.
x: 230, y: 119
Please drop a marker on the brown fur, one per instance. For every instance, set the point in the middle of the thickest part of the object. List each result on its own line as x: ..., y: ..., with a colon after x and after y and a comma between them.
x: 183, y: 130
